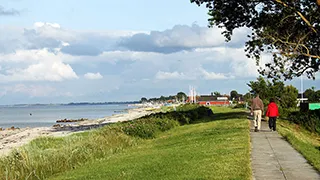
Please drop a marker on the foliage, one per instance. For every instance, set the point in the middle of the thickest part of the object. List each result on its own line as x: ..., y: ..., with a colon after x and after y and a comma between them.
x: 309, y: 120
x: 233, y: 94
x: 143, y: 100
x: 286, y: 96
x: 247, y: 97
x: 216, y: 93
x: 181, y: 96
x: 312, y: 95
x: 185, y: 114
x: 289, y: 97
x: 287, y: 29
x: 148, y: 127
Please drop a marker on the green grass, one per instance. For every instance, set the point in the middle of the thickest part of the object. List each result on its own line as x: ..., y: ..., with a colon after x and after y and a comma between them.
x: 215, y: 147
x: 46, y: 156
x: 218, y: 149
x: 307, y: 143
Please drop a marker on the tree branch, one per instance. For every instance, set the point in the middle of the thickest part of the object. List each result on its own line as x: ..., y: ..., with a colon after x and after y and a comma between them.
x: 299, y: 13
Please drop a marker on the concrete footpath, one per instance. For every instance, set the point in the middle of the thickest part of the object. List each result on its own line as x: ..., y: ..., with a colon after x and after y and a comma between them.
x: 274, y: 158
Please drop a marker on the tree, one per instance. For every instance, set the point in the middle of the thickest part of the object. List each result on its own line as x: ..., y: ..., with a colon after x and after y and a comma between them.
x: 216, y: 93
x: 143, y: 100
x: 247, y: 97
x: 181, y: 96
x: 289, y: 97
x: 290, y: 30
x: 233, y: 94
x: 162, y: 99
x: 286, y: 96
x: 312, y: 95
x: 259, y: 87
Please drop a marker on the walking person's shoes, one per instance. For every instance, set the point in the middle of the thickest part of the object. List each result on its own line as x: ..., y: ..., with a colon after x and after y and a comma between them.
x: 256, y: 129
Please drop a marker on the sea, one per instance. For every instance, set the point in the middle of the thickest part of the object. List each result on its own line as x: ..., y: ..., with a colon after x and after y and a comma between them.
x: 22, y: 116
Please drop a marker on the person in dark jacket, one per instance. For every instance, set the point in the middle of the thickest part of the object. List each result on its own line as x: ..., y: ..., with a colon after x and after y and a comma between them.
x: 272, y: 113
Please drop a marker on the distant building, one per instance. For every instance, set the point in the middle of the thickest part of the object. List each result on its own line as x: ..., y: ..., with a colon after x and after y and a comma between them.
x: 210, y: 100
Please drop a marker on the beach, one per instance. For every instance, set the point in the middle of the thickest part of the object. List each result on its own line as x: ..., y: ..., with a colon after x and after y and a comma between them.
x: 15, y: 137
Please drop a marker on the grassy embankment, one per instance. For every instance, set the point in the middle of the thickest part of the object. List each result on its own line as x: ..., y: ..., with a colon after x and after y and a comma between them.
x: 215, y: 147
x: 307, y: 143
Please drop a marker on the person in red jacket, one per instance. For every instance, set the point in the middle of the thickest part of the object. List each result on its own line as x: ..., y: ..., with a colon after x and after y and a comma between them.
x: 272, y: 113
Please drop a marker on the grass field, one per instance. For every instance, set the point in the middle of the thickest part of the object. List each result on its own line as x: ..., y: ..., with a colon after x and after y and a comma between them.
x: 218, y: 149
x: 307, y: 143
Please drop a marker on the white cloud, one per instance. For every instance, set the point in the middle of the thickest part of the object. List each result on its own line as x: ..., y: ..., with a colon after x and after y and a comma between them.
x: 212, y: 75
x: 55, y: 71
x: 30, y: 90
x: 36, y: 65
x: 93, y: 76
x: 42, y: 24
x: 48, y: 55
x: 34, y: 56
x: 172, y: 75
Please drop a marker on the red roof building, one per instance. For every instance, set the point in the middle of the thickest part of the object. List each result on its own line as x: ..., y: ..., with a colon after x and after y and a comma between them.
x: 209, y: 100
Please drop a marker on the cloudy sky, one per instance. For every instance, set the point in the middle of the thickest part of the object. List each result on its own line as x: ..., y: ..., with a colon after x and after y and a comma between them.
x: 97, y: 51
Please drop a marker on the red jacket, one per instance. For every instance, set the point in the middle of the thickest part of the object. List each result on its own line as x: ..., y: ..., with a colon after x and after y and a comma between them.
x: 272, y: 110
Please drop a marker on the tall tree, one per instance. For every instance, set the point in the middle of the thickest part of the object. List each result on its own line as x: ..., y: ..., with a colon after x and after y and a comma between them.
x: 216, y: 93
x: 233, y: 94
x: 181, y: 96
x: 247, y: 97
x: 288, y: 29
x: 260, y: 87
x: 286, y: 96
x: 143, y: 100
x: 312, y: 95
x: 289, y: 97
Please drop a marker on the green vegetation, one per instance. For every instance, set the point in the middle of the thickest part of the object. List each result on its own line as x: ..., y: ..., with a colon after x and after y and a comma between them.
x: 285, y: 96
x: 312, y: 94
x: 213, y: 147
x: 46, y: 156
x: 179, y: 97
x: 286, y: 30
x: 307, y: 143
x: 310, y: 120
x: 218, y: 149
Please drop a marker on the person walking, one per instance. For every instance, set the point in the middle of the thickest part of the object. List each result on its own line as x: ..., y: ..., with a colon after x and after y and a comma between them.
x: 272, y: 113
x: 257, y: 108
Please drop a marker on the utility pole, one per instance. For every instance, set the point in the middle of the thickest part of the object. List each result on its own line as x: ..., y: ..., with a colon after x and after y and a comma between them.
x: 301, y: 88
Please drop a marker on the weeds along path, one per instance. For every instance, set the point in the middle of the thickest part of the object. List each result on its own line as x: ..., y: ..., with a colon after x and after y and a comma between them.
x: 215, y: 148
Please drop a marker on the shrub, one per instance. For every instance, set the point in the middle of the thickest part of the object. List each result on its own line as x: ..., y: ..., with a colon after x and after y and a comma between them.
x: 187, y: 107
x: 310, y: 119
x: 148, y: 126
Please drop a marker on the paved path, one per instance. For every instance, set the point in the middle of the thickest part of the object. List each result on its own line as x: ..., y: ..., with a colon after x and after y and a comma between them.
x: 273, y: 158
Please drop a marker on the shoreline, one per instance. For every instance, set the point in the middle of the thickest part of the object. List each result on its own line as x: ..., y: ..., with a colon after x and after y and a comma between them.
x: 12, y: 139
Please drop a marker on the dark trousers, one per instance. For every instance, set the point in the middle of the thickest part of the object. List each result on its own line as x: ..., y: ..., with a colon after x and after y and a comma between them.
x: 272, y: 123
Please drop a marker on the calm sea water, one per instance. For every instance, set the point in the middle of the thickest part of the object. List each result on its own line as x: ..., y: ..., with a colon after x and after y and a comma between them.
x: 45, y: 116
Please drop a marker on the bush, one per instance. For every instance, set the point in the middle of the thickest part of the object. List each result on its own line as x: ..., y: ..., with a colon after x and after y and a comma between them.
x: 187, y: 107
x: 148, y: 126
x: 310, y: 119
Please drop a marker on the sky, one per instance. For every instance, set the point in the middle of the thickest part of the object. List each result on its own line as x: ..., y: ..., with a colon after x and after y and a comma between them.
x: 101, y: 51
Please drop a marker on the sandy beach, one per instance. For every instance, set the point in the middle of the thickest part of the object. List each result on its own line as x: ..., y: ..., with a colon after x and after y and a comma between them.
x: 11, y: 139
